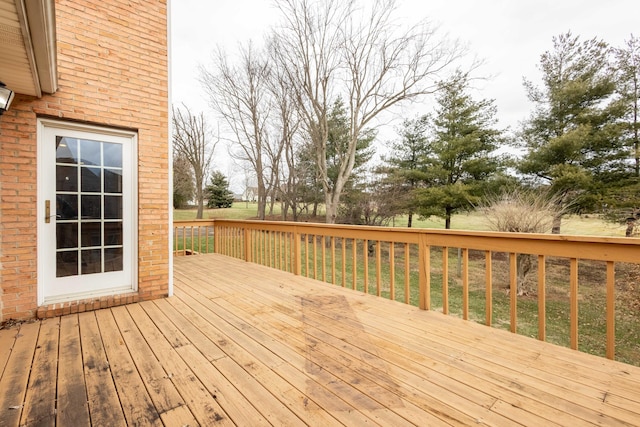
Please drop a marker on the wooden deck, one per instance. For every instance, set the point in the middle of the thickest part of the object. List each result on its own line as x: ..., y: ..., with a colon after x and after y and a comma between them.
x: 241, y: 344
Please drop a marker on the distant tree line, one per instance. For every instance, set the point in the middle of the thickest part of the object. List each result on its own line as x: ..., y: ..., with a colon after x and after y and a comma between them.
x: 304, y: 112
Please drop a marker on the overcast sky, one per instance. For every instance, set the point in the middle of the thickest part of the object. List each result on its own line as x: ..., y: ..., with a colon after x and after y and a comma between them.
x: 509, y: 35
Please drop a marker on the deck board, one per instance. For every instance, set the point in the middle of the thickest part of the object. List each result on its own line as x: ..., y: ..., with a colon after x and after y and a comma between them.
x: 104, y: 405
x: 15, y: 376
x: 242, y: 344
x: 72, y: 405
x: 136, y: 402
x: 40, y: 399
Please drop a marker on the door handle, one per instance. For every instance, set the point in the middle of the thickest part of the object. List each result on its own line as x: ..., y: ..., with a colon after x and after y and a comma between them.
x: 47, y: 211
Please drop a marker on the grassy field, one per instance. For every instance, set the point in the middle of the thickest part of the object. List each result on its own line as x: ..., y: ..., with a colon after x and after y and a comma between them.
x: 576, y: 225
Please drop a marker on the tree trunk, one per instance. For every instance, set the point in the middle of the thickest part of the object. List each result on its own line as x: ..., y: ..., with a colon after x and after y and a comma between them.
x: 557, y: 222
x: 200, y: 203
x: 410, y: 220
x: 447, y: 218
x: 262, y: 197
x: 331, y: 209
x: 636, y: 137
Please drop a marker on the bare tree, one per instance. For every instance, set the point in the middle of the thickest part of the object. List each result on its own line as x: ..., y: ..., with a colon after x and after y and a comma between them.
x: 241, y: 95
x: 193, y: 141
x: 336, y: 48
x: 285, y: 126
x: 183, y: 188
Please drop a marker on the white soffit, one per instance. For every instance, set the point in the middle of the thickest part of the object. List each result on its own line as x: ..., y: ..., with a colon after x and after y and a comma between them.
x: 28, y: 46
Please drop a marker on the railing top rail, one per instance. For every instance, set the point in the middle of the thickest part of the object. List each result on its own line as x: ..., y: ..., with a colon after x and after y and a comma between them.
x: 622, y: 249
x: 193, y: 222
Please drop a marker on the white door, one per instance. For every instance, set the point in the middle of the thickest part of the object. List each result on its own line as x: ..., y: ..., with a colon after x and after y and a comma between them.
x: 86, y: 211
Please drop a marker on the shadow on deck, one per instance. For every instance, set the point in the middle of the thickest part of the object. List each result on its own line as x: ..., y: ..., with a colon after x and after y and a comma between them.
x: 242, y: 344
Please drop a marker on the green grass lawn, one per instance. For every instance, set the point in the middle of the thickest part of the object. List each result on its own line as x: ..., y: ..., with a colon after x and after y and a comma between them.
x: 591, y: 225
x: 237, y: 211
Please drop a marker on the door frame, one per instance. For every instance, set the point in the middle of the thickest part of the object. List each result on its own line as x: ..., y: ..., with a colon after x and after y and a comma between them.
x: 44, y: 124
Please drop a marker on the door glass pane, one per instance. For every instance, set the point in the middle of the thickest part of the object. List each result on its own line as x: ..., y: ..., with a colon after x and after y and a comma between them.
x: 66, y: 150
x: 113, y: 180
x: 90, y: 153
x: 112, y: 155
x: 66, y: 178
x: 112, y: 233
x: 113, y: 259
x: 66, y: 206
x: 91, y: 234
x: 91, y: 261
x: 90, y: 179
x: 113, y: 207
x: 66, y: 235
x: 67, y: 263
x: 91, y: 207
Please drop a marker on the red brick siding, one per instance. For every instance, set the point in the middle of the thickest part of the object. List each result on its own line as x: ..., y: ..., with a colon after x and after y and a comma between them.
x: 112, y: 69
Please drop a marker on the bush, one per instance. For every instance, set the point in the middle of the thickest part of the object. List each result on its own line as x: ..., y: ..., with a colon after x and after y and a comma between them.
x: 522, y: 211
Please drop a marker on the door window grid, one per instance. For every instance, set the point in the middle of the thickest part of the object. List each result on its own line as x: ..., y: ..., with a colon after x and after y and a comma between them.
x: 89, y: 183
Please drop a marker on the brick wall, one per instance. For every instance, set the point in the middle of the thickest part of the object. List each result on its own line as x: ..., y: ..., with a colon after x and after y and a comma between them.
x: 112, y: 68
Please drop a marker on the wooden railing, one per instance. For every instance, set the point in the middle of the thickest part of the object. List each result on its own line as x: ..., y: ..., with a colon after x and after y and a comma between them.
x: 415, y: 265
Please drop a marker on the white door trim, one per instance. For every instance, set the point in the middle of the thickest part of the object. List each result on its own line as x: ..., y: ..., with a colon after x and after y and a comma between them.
x: 44, y: 261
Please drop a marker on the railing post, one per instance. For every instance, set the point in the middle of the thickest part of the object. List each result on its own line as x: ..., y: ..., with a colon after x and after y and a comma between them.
x: 216, y: 238
x: 424, y: 268
x: 297, y: 258
x: 573, y: 302
x: 247, y: 244
x: 513, y: 291
x: 488, y: 279
x: 542, y: 298
x: 611, y: 310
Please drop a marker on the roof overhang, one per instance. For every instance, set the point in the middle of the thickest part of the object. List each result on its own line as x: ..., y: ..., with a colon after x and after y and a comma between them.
x: 28, y: 46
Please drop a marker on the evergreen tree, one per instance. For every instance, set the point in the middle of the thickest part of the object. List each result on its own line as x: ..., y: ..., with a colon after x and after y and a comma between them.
x: 572, y: 137
x: 628, y: 67
x: 404, y: 168
x: 218, y: 191
x: 459, y: 162
x: 623, y: 196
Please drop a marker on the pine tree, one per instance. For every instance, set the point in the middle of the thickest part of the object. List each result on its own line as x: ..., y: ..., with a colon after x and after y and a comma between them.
x: 459, y: 162
x: 218, y: 191
x: 404, y: 168
x: 572, y: 138
x: 623, y: 196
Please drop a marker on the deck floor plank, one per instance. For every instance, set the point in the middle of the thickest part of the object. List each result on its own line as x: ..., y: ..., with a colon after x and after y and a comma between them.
x: 577, y: 406
x: 165, y: 396
x: 362, y: 349
x: 252, y: 361
x: 40, y: 400
x: 230, y: 399
x: 104, y: 405
x: 136, y: 403
x: 366, y: 379
x: 7, y: 339
x: 204, y: 407
x: 242, y: 344
x: 72, y: 404
x: 239, y: 408
x: 382, y: 367
x: 13, y: 385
